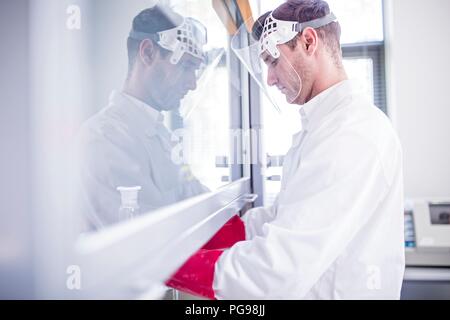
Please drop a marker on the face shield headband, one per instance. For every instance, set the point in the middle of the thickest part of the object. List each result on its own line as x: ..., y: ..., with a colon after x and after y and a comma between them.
x: 276, y: 32
x: 189, y: 37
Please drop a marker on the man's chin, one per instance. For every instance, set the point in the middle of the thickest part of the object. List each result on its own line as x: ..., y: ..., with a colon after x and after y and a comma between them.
x: 297, y: 98
x: 298, y: 101
x: 294, y: 100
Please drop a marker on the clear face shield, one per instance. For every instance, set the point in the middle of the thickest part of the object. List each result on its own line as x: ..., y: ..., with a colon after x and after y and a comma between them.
x: 259, y: 48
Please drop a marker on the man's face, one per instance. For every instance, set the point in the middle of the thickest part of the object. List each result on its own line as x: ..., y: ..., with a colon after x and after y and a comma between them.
x: 290, y: 73
x: 171, y: 83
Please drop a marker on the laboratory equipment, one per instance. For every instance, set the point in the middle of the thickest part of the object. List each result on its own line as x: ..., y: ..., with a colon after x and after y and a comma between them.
x: 129, y: 207
x: 427, y: 233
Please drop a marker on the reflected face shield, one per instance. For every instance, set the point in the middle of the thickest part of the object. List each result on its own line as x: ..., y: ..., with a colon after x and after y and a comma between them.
x: 259, y: 48
x: 189, y: 37
x: 185, y: 43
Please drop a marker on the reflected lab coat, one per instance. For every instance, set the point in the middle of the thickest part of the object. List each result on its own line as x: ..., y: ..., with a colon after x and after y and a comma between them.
x: 126, y: 144
x: 336, y: 229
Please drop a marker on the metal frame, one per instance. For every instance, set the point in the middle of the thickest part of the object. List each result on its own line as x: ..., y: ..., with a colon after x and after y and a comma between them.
x: 258, y: 165
x: 254, y: 159
x: 237, y: 168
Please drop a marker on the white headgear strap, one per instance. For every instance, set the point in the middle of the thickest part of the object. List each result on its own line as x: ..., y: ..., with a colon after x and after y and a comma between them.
x: 189, y: 37
x: 277, y: 32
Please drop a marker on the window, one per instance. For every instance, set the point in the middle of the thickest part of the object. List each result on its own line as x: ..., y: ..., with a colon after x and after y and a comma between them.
x: 361, y: 20
x: 363, y: 45
x: 365, y: 63
x: 74, y: 68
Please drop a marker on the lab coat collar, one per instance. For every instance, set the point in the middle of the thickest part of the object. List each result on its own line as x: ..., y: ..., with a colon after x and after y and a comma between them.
x: 143, y: 117
x: 153, y: 113
x: 315, y: 110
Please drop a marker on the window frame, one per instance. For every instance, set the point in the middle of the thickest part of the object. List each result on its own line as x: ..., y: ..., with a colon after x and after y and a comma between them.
x: 376, y: 52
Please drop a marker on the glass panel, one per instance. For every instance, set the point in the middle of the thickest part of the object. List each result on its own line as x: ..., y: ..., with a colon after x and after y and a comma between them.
x: 264, y: 6
x: 440, y: 214
x: 207, y: 115
x: 162, y: 136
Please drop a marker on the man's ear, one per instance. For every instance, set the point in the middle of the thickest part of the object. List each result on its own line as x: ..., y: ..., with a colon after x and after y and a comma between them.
x: 147, y: 52
x: 309, y: 40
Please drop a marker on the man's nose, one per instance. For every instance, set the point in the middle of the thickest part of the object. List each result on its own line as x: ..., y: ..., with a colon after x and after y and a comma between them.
x: 271, y: 78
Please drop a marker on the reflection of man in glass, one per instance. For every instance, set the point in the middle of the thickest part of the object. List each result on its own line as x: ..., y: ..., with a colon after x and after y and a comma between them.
x: 126, y: 144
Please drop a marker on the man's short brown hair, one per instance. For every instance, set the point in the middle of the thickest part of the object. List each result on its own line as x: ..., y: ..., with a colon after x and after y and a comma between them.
x: 303, y: 11
x: 152, y: 20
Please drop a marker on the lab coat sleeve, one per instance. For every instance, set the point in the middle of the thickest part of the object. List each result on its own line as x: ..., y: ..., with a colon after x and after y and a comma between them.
x: 255, y: 218
x: 332, y: 195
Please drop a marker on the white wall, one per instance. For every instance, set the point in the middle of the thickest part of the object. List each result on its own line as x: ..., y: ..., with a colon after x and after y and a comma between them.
x: 418, y: 56
x: 15, y: 217
x: 58, y: 82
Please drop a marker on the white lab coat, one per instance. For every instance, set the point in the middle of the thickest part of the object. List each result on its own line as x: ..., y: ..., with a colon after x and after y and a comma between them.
x: 126, y: 144
x: 336, y: 229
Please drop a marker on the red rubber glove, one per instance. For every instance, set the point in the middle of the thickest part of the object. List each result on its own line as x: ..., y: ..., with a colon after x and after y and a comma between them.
x: 233, y: 231
x: 196, y: 276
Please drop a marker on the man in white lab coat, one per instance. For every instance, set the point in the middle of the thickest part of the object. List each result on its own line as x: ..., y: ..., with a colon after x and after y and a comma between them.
x: 126, y: 144
x: 336, y: 229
